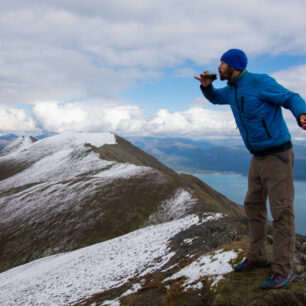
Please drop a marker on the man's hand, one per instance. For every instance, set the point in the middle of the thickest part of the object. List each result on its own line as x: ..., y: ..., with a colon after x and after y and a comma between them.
x: 303, y: 121
x: 205, y: 81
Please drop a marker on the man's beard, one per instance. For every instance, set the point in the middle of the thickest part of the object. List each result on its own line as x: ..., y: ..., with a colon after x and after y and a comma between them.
x: 227, y: 74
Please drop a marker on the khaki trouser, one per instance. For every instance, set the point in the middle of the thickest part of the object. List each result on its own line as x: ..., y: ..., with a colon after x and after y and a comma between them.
x: 271, y: 176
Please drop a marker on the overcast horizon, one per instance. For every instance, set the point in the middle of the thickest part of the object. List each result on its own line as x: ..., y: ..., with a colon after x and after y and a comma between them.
x: 127, y: 67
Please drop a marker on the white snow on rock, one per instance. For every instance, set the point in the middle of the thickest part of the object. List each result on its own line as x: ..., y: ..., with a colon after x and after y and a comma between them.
x: 123, y: 170
x: 214, y: 266
x: 58, y: 142
x: 63, y: 157
x: 60, y: 167
x: 17, y: 145
x: 174, y: 208
x: 66, y: 278
x: 23, y: 149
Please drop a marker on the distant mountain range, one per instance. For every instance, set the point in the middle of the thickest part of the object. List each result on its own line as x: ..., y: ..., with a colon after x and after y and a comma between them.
x: 188, y: 155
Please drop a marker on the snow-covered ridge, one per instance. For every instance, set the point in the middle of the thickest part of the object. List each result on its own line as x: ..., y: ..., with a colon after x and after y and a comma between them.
x: 17, y: 145
x: 62, y: 157
x: 25, y: 149
x: 56, y: 143
x: 66, y: 278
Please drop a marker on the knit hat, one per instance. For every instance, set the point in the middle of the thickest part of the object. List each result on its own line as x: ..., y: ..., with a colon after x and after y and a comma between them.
x: 235, y: 58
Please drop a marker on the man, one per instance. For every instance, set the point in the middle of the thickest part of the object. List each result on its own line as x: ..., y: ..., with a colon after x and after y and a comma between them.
x: 256, y: 101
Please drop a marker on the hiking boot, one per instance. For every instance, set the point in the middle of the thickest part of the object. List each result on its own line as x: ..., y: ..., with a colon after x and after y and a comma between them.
x: 276, y: 281
x: 247, y: 265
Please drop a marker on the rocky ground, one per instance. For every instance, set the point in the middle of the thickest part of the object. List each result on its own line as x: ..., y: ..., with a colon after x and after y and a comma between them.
x: 227, y: 234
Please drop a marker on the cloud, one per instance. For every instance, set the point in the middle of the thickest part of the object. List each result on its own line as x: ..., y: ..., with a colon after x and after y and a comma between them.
x: 195, y: 122
x: 55, y: 117
x: 125, y: 120
x: 293, y: 78
x: 295, y: 130
x: 201, y: 121
x: 15, y: 120
x: 66, y: 50
x: 184, y: 72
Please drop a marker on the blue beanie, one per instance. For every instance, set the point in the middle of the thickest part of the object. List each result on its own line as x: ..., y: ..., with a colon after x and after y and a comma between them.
x: 235, y: 58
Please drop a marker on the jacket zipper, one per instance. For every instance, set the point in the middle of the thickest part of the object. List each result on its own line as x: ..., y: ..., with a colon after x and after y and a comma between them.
x: 266, y: 128
x: 240, y: 116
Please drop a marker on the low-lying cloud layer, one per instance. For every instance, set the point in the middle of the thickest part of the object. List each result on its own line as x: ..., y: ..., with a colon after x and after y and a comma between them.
x: 200, y: 121
x: 129, y: 120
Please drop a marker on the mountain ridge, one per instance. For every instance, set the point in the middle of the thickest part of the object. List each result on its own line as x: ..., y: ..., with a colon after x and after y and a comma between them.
x: 86, y: 223
x: 58, y: 184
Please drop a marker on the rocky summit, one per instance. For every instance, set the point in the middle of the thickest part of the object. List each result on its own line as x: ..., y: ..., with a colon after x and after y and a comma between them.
x: 89, y: 219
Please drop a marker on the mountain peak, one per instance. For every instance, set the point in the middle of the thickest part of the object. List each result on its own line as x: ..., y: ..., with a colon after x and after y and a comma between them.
x: 30, y: 160
x: 75, y: 138
x: 17, y: 145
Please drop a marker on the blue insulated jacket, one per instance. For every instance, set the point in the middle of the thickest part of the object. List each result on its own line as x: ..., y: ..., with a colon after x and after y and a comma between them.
x: 256, y: 101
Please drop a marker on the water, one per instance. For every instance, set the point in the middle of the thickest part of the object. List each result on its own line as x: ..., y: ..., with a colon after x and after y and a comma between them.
x: 234, y: 187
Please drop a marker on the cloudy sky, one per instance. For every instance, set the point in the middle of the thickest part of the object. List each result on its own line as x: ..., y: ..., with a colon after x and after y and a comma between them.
x: 127, y: 66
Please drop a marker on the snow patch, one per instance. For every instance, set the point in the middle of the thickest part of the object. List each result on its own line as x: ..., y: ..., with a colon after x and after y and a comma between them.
x: 67, y: 278
x: 124, y: 171
x: 134, y: 289
x: 214, y: 266
x: 188, y: 241
x: 174, y: 208
x: 116, y: 302
x: 111, y: 303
